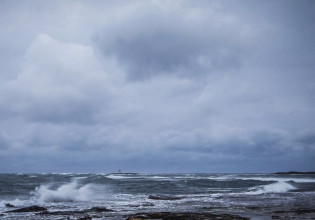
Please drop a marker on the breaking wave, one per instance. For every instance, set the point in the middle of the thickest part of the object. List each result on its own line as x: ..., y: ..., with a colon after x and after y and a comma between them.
x: 68, y: 192
x: 278, y: 187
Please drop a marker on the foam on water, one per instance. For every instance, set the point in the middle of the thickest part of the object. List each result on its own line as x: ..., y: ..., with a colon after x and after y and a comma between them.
x: 66, y: 193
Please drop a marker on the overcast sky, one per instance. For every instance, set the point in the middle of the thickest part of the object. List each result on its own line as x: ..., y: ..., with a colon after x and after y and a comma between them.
x: 157, y: 86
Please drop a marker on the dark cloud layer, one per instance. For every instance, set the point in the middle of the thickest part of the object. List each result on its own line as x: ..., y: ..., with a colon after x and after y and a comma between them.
x: 157, y: 86
x: 155, y: 39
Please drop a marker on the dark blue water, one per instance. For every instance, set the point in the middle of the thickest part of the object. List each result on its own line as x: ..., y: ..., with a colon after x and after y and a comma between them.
x: 132, y: 193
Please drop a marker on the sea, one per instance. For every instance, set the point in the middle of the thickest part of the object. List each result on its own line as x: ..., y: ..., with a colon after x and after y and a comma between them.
x: 65, y: 195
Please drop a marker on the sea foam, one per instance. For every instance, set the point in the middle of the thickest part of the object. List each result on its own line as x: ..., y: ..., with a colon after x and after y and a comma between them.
x: 68, y: 192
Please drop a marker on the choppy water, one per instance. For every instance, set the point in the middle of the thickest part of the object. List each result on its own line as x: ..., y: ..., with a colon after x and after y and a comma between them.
x: 130, y: 193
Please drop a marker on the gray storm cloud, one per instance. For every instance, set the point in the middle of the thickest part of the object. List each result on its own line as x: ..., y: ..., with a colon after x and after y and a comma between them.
x: 207, y: 86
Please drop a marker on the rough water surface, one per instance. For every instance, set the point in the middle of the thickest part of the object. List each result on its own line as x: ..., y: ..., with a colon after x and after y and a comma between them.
x: 134, y: 196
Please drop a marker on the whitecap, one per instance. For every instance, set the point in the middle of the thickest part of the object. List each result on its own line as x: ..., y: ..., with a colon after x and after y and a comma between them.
x: 117, y: 177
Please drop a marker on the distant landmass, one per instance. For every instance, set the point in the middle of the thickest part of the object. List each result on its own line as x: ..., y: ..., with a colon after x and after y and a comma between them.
x: 295, y: 172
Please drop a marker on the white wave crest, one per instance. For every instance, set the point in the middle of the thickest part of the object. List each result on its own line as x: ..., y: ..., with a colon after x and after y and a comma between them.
x: 65, y: 193
x: 278, y: 187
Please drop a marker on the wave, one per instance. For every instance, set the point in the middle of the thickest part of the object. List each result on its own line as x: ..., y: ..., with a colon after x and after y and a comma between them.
x: 118, y: 177
x: 15, y: 202
x: 278, y: 187
x: 68, y: 192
